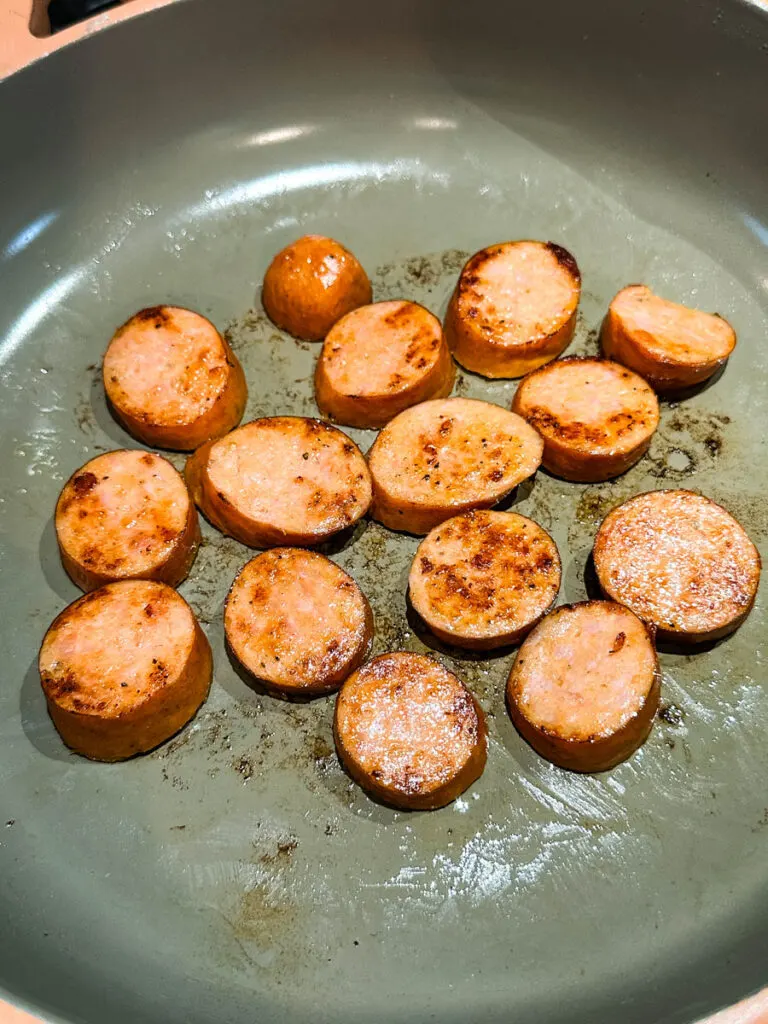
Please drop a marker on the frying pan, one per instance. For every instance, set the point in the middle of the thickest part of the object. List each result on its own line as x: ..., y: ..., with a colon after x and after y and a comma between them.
x: 236, y: 874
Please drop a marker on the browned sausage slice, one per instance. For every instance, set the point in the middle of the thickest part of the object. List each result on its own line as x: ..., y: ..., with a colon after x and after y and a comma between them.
x: 596, y: 417
x: 484, y: 579
x: 172, y: 380
x: 514, y: 308
x: 672, y: 346
x: 379, y: 360
x: 448, y: 456
x: 680, y: 562
x: 126, y: 515
x: 409, y: 732
x: 311, y: 284
x: 584, y: 688
x: 124, y: 668
x: 282, y: 480
x: 297, y: 622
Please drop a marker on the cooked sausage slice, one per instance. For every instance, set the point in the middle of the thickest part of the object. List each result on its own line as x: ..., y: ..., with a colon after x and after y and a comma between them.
x: 297, y: 622
x: 124, y: 668
x: 448, y: 456
x: 381, y: 359
x: 514, y: 308
x: 584, y: 688
x: 409, y: 732
x: 680, y: 562
x: 672, y: 346
x: 126, y: 515
x: 281, y: 480
x: 172, y: 380
x: 484, y: 579
x: 311, y: 284
x: 596, y: 417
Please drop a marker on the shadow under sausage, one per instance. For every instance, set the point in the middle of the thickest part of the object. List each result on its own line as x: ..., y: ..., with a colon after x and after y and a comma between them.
x: 50, y: 563
x: 35, y: 720
x: 259, y: 687
x: 455, y: 653
x: 673, y: 397
x: 103, y: 417
x: 342, y: 540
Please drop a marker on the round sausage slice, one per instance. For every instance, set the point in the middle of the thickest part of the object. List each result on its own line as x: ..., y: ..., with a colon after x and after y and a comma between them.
x: 672, y: 346
x: 680, y: 562
x: 448, y: 456
x: 126, y: 515
x: 124, y: 668
x: 311, y: 284
x: 484, y: 579
x: 596, y: 417
x: 172, y: 380
x: 584, y: 688
x: 297, y: 622
x: 381, y: 359
x: 514, y: 308
x: 281, y: 480
x: 409, y: 732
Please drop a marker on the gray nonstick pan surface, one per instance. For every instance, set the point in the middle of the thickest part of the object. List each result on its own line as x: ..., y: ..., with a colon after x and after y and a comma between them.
x: 236, y: 874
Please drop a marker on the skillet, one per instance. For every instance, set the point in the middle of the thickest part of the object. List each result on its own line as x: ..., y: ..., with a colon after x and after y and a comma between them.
x: 236, y: 874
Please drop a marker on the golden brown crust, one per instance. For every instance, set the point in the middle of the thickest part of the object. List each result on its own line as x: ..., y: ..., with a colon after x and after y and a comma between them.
x: 491, y: 336
x: 311, y: 284
x: 671, y: 346
x: 281, y: 481
x: 679, y: 561
x: 379, y: 360
x: 195, y: 392
x: 596, y: 417
x: 409, y: 732
x: 484, y: 579
x: 126, y: 515
x: 584, y: 688
x: 448, y: 456
x: 297, y: 623
x: 123, y: 669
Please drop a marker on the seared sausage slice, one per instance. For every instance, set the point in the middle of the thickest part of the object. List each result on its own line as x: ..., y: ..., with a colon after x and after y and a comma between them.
x: 409, y: 732
x: 596, y: 417
x: 381, y: 359
x: 584, y: 688
x: 484, y: 579
x: 514, y: 308
x: 680, y: 562
x: 448, y: 456
x: 297, y: 622
x: 124, y: 668
x: 672, y: 346
x: 311, y: 284
x: 126, y: 515
x: 172, y: 380
x: 281, y: 480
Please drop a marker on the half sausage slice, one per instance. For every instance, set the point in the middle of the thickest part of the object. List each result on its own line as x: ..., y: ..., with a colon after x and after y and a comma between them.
x: 126, y: 515
x: 409, y: 732
x: 596, y: 417
x: 448, y: 456
x: 124, y: 668
x: 379, y: 360
x: 680, y: 562
x: 672, y: 346
x: 311, y: 284
x: 297, y: 622
x: 514, y: 308
x: 584, y: 688
x: 172, y: 380
x: 282, y: 480
x: 484, y: 579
